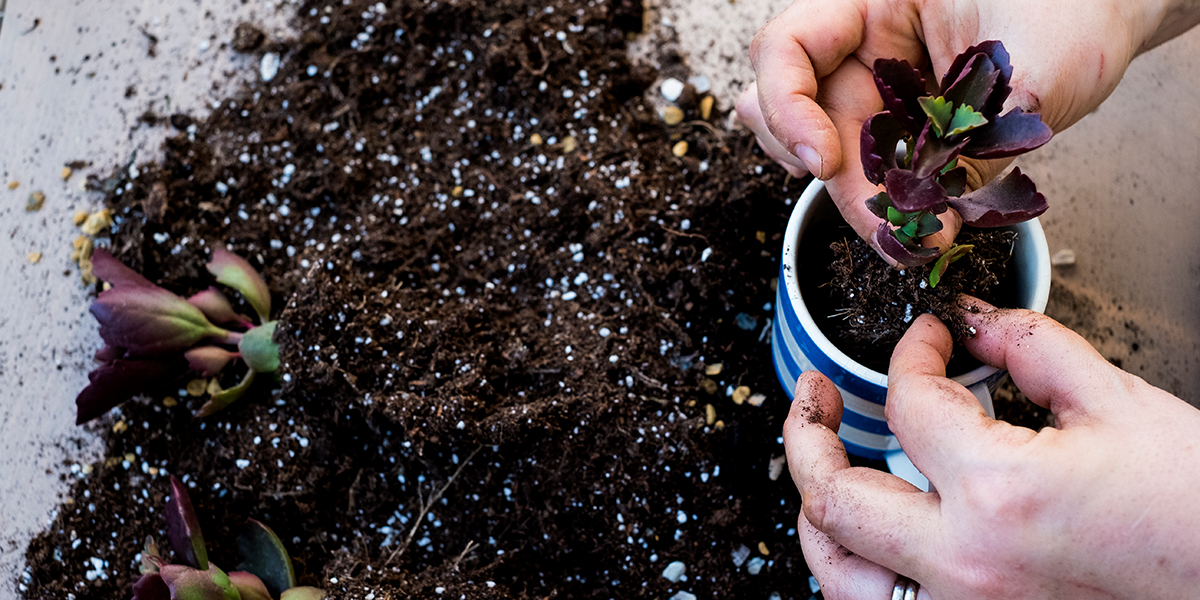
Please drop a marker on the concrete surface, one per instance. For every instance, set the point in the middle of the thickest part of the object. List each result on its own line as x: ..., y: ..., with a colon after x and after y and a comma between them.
x: 75, y: 75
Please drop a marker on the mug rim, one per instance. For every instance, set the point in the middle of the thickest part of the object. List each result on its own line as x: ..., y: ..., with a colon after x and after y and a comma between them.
x: 1040, y: 266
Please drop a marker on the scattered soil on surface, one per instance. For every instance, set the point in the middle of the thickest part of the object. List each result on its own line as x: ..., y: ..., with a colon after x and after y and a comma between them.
x: 494, y: 282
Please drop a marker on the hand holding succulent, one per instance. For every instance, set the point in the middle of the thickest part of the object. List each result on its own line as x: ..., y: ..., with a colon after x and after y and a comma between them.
x: 266, y: 574
x: 153, y: 336
x: 961, y: 119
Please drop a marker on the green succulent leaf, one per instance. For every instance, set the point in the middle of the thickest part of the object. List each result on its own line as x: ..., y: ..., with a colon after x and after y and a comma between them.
x: 896, y: 217
x: 226, y: 397
x: 928, y: 224
x: 303, y: 593
x: 951, y: 256
x: 264, y: 556
x: 249, y: 586
x: 184, y: 528
x: 187, y: 583
x: 901, y: 237
x: 259, y: 351
x: 940, y: 112
x: 910, y: 229
x: 966, y: 119
x: 233, y: 271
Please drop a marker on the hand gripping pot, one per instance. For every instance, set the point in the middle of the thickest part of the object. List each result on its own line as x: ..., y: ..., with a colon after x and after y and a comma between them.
x: 799, y: 345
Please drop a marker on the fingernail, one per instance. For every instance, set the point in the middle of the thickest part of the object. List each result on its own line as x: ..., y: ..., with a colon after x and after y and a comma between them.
x: 811, y: 159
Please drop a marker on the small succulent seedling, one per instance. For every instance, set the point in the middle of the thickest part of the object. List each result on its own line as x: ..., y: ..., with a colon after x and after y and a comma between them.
x: 153, y: 336
x: 962, y: 118
x: 265, y: 573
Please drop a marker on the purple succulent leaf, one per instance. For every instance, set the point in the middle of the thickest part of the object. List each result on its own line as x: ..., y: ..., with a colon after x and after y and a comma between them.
x: 226, y: 397
x: 877, y: 145
x: 249, y: 586
x: 954, y: 181
x: 899, y: 86
x: 150, y: 320
x: 1010, y: 134
x: 1006, y: 201
x: 998, y: 56
x: 233, y: 271
x: 119, y: 380
x: 878, y: 205
x: 931, y: 153
x: 907, y: 255
x: 263, y: 555
x: 187, y: 583
x: 215, y: 306
x: 974, y: 86
x: 910, y: 193
x: 151, y: 587
x: 108, y: 354
x: 184, y: 528
x: 208, y: 360
x: 107, y: 268
x: 303, y: 592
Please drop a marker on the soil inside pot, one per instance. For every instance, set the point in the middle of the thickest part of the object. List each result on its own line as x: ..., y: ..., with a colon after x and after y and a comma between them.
x: 864, y: 306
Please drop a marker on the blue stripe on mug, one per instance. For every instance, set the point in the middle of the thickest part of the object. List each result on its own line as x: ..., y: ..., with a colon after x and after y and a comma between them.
x: 841, y: 377
x: 788, y: 371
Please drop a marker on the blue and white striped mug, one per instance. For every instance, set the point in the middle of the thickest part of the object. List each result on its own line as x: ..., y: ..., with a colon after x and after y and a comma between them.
x: 799, y: 345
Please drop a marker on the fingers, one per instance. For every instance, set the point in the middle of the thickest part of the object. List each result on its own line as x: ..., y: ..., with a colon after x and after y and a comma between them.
x: 877, y: 516
x: 750, y: 114
x: 1051, y: 364
x: 806, y: 42
x: 939, y: 423
x: 843, y: 575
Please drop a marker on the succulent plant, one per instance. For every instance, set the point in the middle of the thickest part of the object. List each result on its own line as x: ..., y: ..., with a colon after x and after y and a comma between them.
x: 962, y: 118
x: 153, y: 336
x: 265, y: 573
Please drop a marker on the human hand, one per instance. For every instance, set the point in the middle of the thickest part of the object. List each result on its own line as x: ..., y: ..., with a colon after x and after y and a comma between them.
x: 815, y: 85
x: 1103, y: 506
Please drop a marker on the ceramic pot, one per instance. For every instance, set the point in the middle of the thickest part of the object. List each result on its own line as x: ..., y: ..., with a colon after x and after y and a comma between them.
x: 799, y: 345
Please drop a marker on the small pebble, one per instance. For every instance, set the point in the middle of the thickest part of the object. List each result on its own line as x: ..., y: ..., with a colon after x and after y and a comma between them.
x: 169, y: 402
x: 119, y: 426
x: 35, y: 201
x: 719, y: 424
x: 682, y: 595
x: 813, y: 586
x: 79, y: 218
x: 713, y: 369
x: 568, y: 145
x: 535, y: 139
x: 674, y: 571
x: 756, y: 399
x: 196, y: 387
x: 457, y: 191
x: 269, y: 66
x: 706, y: 106
x: 97, y: 221
x: 740, y: 554
x: 66, y: 173
x: 710, y: 414
x: 754, y: 566
x: 1063, y: 258
x: 708, y: 386
x: 671, y: 115
x: 679, y: 149
x: 761, y: 236
x: 775, y: 467
x: 740, y: 394
x: 762, y: 549
x: 12, y: 185
x: 701, y: 83
x: 671, y: 89
x: 35, y: 257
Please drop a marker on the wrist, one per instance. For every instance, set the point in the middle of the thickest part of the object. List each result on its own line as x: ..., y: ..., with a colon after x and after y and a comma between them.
x: 1166, y: 19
